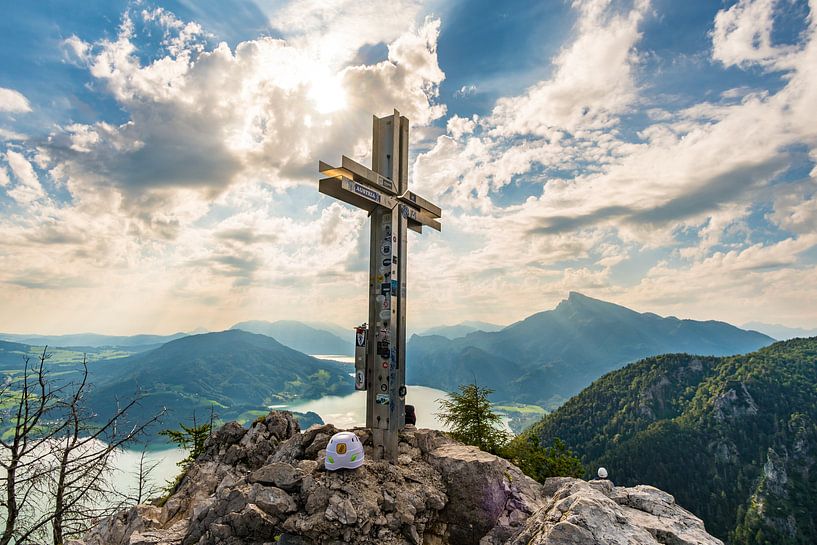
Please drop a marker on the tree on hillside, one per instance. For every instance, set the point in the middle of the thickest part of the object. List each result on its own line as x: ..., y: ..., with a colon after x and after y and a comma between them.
x: 540, y: 463
x: 471, y: 418
x: 192, y: 439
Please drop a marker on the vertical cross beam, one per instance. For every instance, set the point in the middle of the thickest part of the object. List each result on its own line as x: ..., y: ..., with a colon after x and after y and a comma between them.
x: 386, y: 395
x: 380, y: 353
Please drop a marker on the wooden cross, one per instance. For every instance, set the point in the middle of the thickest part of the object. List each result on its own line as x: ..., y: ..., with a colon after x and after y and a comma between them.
x: 380, y: 353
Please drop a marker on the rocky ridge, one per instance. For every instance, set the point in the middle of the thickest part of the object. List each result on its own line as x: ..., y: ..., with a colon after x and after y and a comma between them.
x: 268, y: 485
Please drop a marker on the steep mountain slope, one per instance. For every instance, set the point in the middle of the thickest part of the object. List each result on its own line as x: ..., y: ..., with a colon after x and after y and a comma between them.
x: 563, y: 350
x: 734, y: 439
x: 301, y: 337
x: 234, y: 370
x: 451, y: 366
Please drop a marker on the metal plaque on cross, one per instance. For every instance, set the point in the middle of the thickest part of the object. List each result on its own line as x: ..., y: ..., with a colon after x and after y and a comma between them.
x: 380, y: 347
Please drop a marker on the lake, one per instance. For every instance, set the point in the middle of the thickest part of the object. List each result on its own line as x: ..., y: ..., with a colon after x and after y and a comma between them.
x: 343, y: 411
x: 350, y: 410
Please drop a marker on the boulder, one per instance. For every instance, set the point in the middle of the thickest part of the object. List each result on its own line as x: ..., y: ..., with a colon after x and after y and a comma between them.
x: 582, y: 513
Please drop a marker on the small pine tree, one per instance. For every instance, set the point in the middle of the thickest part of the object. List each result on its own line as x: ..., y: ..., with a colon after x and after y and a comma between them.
x: 190, y: 438
x: 471, y: 418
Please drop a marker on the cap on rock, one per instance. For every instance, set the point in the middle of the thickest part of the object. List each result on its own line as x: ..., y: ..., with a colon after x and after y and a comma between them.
x: 344, y: 451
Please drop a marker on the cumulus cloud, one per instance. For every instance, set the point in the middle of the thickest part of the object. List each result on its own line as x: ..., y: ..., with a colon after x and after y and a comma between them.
x: 203, y: 120
x: 28, y: 188
x: 687, y: 184
x: 205, y: 195
x: 592, y: 81
x: 184, y: 196
x: 13, y: 101
x: 333, y: 31
x: 742, y: 35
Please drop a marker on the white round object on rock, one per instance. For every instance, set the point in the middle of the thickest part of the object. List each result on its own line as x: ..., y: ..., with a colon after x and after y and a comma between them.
x: 344, y: 451
x: 602, y: 473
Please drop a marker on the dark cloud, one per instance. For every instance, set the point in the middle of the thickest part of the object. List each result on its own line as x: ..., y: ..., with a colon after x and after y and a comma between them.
x: 706, y: 197
x: 246, y: 235
x: 711, y: 195
x: 39, y: 280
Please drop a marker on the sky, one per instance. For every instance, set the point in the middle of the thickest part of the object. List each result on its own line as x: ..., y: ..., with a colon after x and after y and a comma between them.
x: 158, y: 160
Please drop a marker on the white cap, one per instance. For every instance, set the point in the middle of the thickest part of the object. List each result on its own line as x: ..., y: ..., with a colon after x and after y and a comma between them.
x: 602, y: 473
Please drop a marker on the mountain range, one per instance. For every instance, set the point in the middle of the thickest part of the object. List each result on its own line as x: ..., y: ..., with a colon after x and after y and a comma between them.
x: 460, y: 330
x: 93, y: 340
x: 235, y: 371
x: 302, y: 337
x: 780, y: 332
x: 734, y: 439
x: 550, y: 356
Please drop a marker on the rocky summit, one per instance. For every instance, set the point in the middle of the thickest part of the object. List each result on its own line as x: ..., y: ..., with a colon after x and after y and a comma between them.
x: 268, y: 484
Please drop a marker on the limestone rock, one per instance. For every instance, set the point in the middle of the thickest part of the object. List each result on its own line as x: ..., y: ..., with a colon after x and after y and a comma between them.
x: 582, y: 513
x: 278, y: 474
x: 267, y: 484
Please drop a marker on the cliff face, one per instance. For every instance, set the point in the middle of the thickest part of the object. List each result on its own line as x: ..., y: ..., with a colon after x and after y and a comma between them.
x: 268, y: 485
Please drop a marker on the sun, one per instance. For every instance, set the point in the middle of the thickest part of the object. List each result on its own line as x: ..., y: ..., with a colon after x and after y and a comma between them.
x: 327, y: 94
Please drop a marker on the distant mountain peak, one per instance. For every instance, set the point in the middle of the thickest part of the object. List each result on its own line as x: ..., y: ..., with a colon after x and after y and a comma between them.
x: 575, y: 297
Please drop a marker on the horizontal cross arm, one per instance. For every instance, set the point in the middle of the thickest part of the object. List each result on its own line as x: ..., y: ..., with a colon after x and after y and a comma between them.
x: 357, y: 172
x: 351, y: 192
x: 418, y: 218
x: 415, y: 200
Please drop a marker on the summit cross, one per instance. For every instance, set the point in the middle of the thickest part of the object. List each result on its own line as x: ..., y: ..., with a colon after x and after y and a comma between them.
x: 380, y: 347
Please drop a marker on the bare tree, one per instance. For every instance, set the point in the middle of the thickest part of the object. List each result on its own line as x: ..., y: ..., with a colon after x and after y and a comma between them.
x: 59, y: 457
x: 24, y: 455
x: 85, y: 455
x: 145, y: 487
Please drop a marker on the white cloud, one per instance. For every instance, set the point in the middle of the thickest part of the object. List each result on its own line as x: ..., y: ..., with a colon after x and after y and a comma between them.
x: 75, y: 50
x: 13, y: 101
x: 205, y: 120
x: 8, y: 135
x: 183, y: 200
x: 592, y: 81
x: 28, y: 188
x: 332, y: 31
x: 743, y: 35
x: 202, y: 206
x: 465, y: 91
x: 458, y: 126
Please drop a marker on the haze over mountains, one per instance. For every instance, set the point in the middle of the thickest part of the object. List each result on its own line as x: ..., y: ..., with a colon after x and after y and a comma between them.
x: 93, y: 340
x: 780, y: 332
x: 302, y: 337
x: 551, y: 355
x: 461, y: 329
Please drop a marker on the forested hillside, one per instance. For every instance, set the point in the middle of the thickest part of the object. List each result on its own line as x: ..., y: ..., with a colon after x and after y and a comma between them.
x: 733, y: 438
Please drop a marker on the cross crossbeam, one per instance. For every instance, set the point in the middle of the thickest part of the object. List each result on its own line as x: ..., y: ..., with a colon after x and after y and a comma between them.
x: 382, y: 191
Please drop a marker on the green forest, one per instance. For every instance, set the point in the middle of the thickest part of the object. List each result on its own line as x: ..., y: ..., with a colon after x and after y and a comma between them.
x: 734, y: 439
